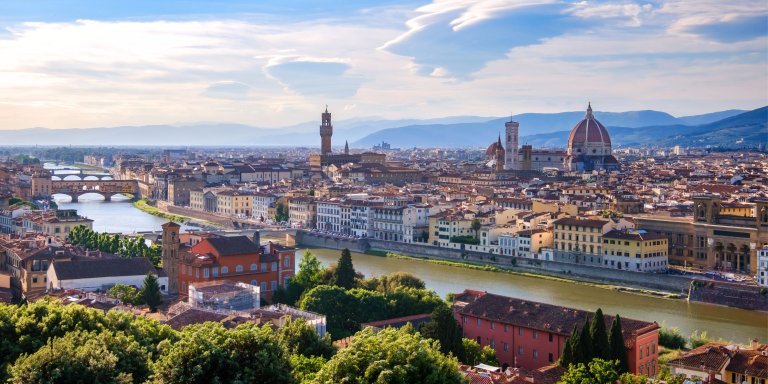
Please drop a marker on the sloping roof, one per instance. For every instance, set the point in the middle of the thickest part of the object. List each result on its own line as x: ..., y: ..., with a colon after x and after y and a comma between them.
x: 89, y: 269
x: 235, y: 245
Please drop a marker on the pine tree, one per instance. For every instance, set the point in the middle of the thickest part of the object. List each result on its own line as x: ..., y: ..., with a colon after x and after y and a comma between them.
x: 617, y: 349
x: 150, y: 292
x: 344, y: 275
x: 599, y: 336
x: 566, y: 358
x: 585, y: 342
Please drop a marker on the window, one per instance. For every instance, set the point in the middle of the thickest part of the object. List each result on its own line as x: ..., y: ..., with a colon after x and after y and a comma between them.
x: 274, y: 285
x: 535, y: 354
x: 215, y: 271
x: 463, y: 319
x: 550, y: 337
x: 478, y: 322
x: 254, y: 267
x: 206, y: 273
x: 492, y: 327
x: 551, y: 358
x: 238, y: 268
x: 519, y: 331
x: 519, y: 349
x: 263, y: 267
x: 183, y: 269
x: 224, y: 270
x: 287, y: 261
x: 492, y: 344
x: 263, y: 286
x: 505, y: 327
x: 254, y: 282
x: 535, y: 334
x: 274, y: 265
x: 506, y: 347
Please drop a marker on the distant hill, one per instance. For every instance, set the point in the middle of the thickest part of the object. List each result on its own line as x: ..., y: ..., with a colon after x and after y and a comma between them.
x: 742, y: 130
x: 542, y: 129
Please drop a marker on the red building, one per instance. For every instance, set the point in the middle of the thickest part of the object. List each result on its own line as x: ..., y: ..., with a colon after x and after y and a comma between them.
x: 531, y: 335
x: 236, y: 259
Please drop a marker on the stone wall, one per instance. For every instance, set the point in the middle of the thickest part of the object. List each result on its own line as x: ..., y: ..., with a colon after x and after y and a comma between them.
x: 670, y: 283
x: 730, y: 294
x: 196, y: 214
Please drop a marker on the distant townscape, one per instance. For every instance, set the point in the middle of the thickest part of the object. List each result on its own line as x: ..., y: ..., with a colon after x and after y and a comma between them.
x: 673, y: 211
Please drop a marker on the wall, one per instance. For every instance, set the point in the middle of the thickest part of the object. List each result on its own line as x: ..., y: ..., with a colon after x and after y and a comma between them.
x: 101, y: 282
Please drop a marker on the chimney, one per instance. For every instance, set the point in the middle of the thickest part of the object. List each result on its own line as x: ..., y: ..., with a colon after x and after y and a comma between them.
x: 754, y: 345
x: 257, y: 238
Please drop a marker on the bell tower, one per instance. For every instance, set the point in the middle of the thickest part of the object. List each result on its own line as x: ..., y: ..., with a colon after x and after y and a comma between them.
x: 170, y: 255
x: 326, y: 131
x: 499, y: 156
x: 512, y: 131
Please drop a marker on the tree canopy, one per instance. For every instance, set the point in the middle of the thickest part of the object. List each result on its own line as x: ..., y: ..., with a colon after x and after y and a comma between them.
x: 344, y: 275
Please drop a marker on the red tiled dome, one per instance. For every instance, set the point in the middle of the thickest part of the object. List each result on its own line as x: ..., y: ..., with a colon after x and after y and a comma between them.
x: 491, y: 151
x: 588, y: 130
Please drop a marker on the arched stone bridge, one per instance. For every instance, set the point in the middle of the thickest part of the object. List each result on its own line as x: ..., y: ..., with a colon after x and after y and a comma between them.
x: 106, y: 188
x: 80, y: 175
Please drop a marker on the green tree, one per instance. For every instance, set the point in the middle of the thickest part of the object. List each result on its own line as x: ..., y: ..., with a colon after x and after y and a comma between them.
x: 598, y: 371
x: 671, y: 338
x: 617, y: 351
x: 444, y: 328
x: 209, y: 353
x: 310, y: 275
x: 125, y: 293
x: 305, y: 368
x: 585, y: 342
x: 281, y: 213
x: 599, y: 337
x: 344, y: 275
x: 566, y: 359
x: 150, y: 292
x: 299, y: 337
x: 81, y: 357
x: 390, y: 356
x: 338, y: 307
x: 577, y: 350
x: 698, y: 339
x: 475, y: 354
x: 475, y: 226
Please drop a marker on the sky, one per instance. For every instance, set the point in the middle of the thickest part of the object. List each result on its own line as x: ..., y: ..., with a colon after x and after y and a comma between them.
x: 98, y: 63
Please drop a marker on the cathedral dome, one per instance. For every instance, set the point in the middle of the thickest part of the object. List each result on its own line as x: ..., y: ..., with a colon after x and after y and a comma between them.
x: 491, y: 151
x: 589, y: 131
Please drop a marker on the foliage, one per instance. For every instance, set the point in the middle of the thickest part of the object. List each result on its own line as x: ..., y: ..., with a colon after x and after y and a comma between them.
x: 599, y: 336
x: 698, y: 339
x: 392, y: 281
x: 671, y: 338
x: 346, y: 310
x: 26, y: 159
x: 86, y: 358
x: 113, y: 243
x: 598, y: 371
x: 475, y: 226
x: 390, y: 356
x: 281, y: 213
x: 444, y: 328
x: 616, y: 349
x: 467, y: 239
x: 299, y: 337
x: 150, y: 292
x: 344, y: 275
x: 209, y: 353
x: 304, y: 369
x: 17, y: 202
x: 585, y: 342
x: 126, y: 293
x: 309, y: 276
x: 474, y: 354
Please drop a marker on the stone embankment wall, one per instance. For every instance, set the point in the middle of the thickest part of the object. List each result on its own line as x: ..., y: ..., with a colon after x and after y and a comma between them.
x: 196, y: 214
x: 669, y: 283
x: 730, y: 294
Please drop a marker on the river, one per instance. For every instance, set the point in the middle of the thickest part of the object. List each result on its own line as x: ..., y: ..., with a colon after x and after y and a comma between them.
x: 720, y: 322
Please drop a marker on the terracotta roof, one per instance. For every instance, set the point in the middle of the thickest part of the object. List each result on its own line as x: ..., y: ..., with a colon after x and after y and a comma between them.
x: 710, y: 357
x: 89, y: 269
x: 228, y: 246
x: 545, y: 317
x: 581, y: 222
x: 750, y: 363
x: 588, y: 130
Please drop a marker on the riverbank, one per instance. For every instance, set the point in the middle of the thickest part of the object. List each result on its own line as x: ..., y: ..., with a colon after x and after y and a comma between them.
x: 492, y: 268
x: 143, y: 206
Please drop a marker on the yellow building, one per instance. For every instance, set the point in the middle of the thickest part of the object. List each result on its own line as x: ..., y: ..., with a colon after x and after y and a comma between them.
x: 445, y: 225
x: 57, y: 223
x: 580, y: 241
x: 27, y: 260
x: 234, y: 203
x: 635, y: 250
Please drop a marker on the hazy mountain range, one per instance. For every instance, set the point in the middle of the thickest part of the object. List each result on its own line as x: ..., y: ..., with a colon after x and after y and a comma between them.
x: 729, y: 128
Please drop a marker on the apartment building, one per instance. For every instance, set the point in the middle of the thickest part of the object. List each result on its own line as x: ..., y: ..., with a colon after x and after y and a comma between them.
x: 635, y: 250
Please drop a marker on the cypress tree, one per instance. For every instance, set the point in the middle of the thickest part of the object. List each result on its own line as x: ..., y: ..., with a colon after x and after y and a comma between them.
x: 566, y: 358
x: 585, y: 342
x: 597, y: 332
x: 617, y: 349
x: 344, y: 275
x: 576, y: 350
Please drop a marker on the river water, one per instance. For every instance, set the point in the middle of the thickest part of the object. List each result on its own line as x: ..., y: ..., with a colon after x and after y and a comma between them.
x: 737, y: 325
x: 720, y: 322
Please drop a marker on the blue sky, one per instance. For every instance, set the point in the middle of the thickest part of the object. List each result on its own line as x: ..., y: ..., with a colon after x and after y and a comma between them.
x: 270, y: 64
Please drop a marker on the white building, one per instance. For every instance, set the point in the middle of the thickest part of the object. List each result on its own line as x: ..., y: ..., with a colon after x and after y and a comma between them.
x: 762, y: 266
x: 508, y: 244
x: 360, y: 218
x: 329, y: 215
x: 262, y: 202
x: 102, y: 274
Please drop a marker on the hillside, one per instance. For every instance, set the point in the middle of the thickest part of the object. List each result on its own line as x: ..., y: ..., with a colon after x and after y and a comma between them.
x: 540, y: 129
